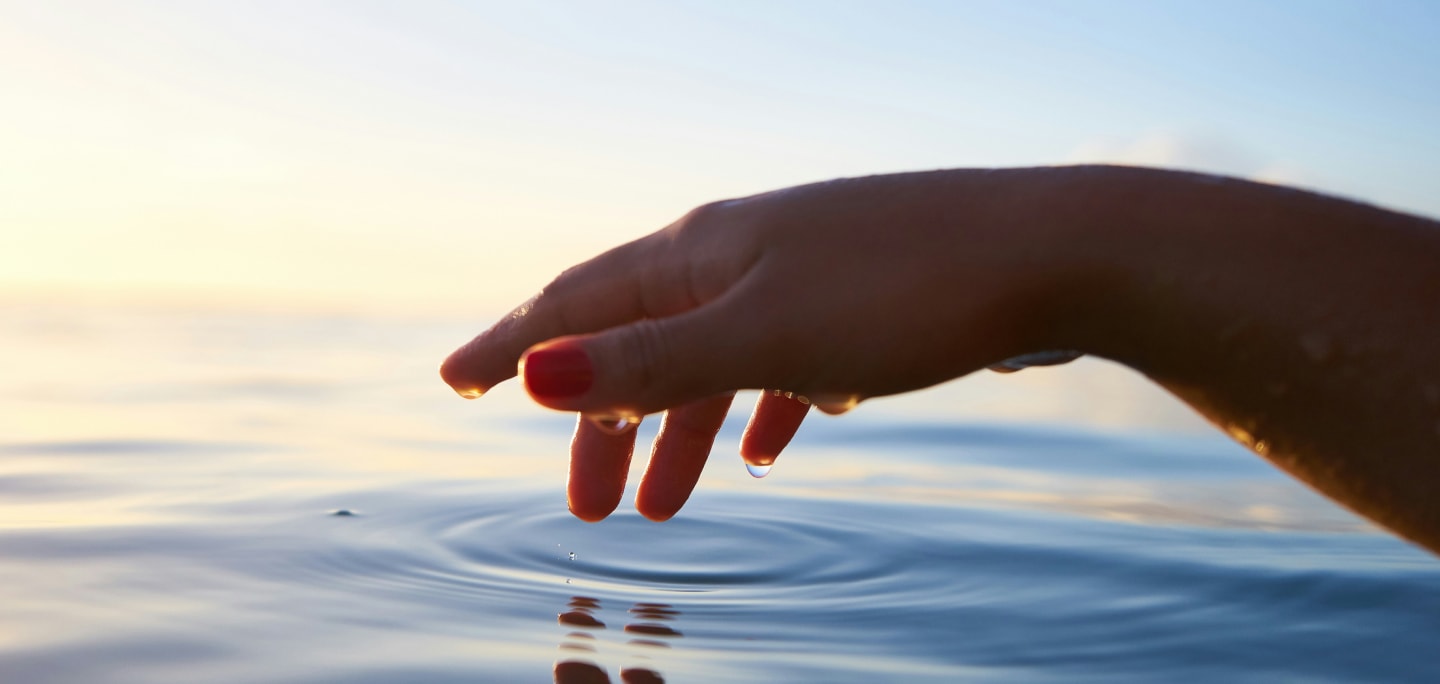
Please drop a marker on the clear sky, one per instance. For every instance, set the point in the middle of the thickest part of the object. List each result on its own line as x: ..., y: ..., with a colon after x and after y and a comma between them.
x: 456, y: 155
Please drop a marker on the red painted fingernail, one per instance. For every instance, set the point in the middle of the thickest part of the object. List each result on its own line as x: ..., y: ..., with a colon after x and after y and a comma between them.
x: 558, y: 372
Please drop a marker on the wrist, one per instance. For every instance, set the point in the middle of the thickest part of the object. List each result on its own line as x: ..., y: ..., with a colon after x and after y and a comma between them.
x: 1072, y: 277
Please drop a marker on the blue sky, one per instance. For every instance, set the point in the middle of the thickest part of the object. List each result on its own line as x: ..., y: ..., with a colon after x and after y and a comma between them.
x: 458, y: 154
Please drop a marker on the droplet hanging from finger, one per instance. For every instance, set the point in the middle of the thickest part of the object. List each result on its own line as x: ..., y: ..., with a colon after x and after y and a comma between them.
x: 613, y: 423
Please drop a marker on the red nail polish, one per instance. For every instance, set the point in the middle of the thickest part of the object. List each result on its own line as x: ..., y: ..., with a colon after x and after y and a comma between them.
x: 558, y: 372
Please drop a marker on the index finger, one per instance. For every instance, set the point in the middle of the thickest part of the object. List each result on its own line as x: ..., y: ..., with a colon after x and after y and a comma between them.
x: 606, y: 291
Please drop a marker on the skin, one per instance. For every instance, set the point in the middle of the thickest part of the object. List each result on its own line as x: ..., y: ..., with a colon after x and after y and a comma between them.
x: 1304, y: 326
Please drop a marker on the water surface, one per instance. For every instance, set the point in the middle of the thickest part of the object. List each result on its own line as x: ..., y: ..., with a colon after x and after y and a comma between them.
x: 233, y: 496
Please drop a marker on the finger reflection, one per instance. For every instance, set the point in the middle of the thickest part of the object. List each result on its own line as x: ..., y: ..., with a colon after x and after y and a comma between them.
x: 579, y: 672
x: 651, y: 620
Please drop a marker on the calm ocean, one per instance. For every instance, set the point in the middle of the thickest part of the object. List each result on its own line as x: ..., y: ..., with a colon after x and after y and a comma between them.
x: 192, y: 495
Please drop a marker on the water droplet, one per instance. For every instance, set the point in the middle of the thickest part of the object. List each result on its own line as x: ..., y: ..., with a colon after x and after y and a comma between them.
x: 470, y: 392
x: 613, y: 424
x: 788, y: 395
x: 758, y: 470
x: 836, y: 405
x: 572, y: 555
x: 343, y: 513
x: 1240, y: 434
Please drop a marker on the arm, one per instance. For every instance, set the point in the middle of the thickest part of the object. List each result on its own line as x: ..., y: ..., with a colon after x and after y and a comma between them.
x: 1306, y: 327
x: 1301, y: 324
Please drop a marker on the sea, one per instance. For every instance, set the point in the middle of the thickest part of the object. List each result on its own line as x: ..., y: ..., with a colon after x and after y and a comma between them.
x: 271, y: 495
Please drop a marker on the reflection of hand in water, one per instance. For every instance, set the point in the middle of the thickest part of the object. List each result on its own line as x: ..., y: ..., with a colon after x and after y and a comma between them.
x: 656, y: 614
x: 648, y: 621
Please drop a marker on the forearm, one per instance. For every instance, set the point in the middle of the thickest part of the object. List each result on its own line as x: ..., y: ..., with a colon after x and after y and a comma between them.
x: 1306, y: 327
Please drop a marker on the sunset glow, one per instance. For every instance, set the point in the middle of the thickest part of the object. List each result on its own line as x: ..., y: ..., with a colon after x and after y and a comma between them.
x: 454, y: 156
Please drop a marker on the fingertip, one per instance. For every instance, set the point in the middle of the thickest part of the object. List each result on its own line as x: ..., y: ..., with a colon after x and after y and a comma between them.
x: 658, y: 504
x: 591, y: 504
x: 589, y: 516
x: 450, y: 370
x: 758, y: 457
x: 773, y: 424
x: 593, y: 501
x: 655, y: 516
x: 659, y: 501
x: 456, y: 371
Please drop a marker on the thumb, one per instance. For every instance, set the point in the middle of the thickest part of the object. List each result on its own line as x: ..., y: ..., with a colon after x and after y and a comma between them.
x: 646, y: 366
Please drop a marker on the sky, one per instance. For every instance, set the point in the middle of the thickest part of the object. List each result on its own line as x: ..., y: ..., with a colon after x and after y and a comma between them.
x: 454, y: 156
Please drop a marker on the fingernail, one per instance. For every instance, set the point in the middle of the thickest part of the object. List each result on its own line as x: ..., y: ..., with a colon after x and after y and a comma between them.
x: 558, y: 372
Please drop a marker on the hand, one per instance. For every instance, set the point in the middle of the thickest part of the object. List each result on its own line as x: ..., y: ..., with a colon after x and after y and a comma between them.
x: 1303, y: 325
x: 829, y: 293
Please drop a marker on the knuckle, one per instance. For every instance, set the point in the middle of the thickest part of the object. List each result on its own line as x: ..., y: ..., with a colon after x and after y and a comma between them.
x: 646, y: 355
x: 561, y: 284
x: 699, y: 217
x: 705, y: 224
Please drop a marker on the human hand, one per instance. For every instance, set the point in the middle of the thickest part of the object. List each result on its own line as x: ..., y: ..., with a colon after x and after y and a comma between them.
x: 825, y: 294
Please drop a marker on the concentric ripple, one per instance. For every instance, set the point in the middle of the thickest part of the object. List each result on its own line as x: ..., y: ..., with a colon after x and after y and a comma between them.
x: 855, y: 590
x: 526, y: 544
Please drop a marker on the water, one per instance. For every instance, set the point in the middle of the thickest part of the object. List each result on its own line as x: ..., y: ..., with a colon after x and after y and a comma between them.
x: 756, y: 470
x: 614, y: 425
x: 210, y: 496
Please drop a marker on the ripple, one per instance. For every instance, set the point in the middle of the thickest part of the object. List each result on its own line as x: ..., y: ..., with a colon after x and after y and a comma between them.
x: 859, y: 585
x: 512, y: 546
